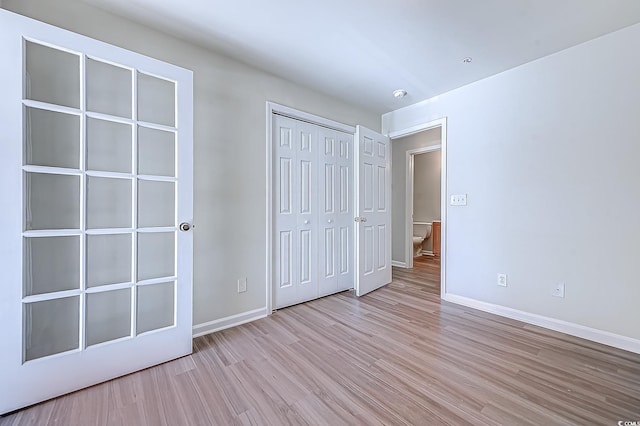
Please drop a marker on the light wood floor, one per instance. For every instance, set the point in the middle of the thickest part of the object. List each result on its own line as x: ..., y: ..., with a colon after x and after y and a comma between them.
x: 396, y: 356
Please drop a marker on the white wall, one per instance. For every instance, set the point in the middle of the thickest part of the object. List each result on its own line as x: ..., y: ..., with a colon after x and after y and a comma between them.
x: 548, y: 153
x: 399, y: 148
x: 427, y: 190
x: 426, y: 187
x: 229, y: 145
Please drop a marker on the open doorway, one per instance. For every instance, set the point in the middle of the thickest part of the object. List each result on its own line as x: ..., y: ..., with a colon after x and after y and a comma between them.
x: 423, y: 212
x: 408, y: 145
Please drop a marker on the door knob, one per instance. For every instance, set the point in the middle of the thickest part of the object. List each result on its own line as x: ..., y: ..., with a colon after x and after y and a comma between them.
x: 306, y: 222
x: 330, y: 221
x: 185, y: 226
x: 363, y: 219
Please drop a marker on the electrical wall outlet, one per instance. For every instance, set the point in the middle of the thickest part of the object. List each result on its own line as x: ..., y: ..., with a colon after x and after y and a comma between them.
x: 242, y: 285
x: 459, y: 200
x: 502, y: 280
x: 558, y: 290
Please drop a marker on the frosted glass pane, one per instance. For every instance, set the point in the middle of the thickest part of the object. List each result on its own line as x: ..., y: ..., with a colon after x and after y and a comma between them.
x: 108, y: 89
x: 51, y: 264
x: 52, y: 75
x: 52, y: 201
x: 156, y: 100
x: 156, y: 152
x: 51, y: 139
x: 108, y: 146
x: 108, y: 259
x: 156, y: 203
x: 155, y: 307
x: 108, y: 203
x: 108, y: 316
x: 51, y: 327
x: 156, y: 255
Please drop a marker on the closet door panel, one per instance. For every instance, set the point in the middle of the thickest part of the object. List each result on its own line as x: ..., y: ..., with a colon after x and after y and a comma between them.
x: 306, y: 142
x: 345, y: 212
x: 313, y: 209
x: 285, y: 236
x: 327, y: 278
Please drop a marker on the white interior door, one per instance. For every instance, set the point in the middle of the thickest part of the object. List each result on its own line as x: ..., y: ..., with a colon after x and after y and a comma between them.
x: 313, y: 250
x: 335, y: 215
x: 96, y: 175
x: 373, y: 211
x: 295, y: 174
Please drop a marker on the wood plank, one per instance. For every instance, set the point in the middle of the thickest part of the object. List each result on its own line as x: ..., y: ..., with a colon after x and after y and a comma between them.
x: 398, y: 355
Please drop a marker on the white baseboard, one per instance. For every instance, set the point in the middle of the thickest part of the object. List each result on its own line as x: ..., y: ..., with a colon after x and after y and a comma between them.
x: 228, y: 322
x: 595, y: 335
x: 398, y: 264
x: 427, y: 253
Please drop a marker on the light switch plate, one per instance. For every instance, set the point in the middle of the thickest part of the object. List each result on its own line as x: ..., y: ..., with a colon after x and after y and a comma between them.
x: 459, y: 200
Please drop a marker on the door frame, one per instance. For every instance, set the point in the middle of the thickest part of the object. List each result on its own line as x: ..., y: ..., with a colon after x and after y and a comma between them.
x: 271, y: 109
x: 442, y: 123
x: 410, y: 183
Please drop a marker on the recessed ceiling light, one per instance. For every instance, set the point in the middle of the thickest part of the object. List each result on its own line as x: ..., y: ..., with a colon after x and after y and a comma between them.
x: 467, y: 60
x: 399, y: 93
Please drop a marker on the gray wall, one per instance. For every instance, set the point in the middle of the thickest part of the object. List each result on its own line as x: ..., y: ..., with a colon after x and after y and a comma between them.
x: 548, y: 155
x: 399, y: 149
x: 229, y: 146
x: 427, y: 190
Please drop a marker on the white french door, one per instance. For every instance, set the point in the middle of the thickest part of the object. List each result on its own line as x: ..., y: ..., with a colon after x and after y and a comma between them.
x: 95, y: 175
x: 373, y: 210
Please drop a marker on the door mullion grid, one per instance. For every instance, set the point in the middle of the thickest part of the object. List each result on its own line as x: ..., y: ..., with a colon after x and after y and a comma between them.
x: 26, y: 323
x: 83, y: 202
x: 176, y: 220
x: 134, y: 201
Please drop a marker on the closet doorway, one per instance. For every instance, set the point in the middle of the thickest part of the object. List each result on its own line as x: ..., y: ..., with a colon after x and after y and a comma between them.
x: 313, y: 210
x: 328, y: 208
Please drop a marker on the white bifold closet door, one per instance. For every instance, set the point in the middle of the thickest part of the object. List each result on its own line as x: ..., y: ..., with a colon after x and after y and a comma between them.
x: 313, y: 217
x: 335, y: 211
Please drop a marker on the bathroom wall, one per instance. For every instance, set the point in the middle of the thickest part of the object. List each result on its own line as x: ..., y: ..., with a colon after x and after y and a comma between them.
x: 548, y: 154
x: 229, y: 146
x: 427, y: 190
x: 399, y: 148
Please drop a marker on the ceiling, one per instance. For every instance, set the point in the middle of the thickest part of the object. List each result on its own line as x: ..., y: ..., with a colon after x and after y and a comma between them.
x: 362, y: 50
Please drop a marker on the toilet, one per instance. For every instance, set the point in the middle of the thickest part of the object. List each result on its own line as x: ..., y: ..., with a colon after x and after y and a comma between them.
x: 421, y: 232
